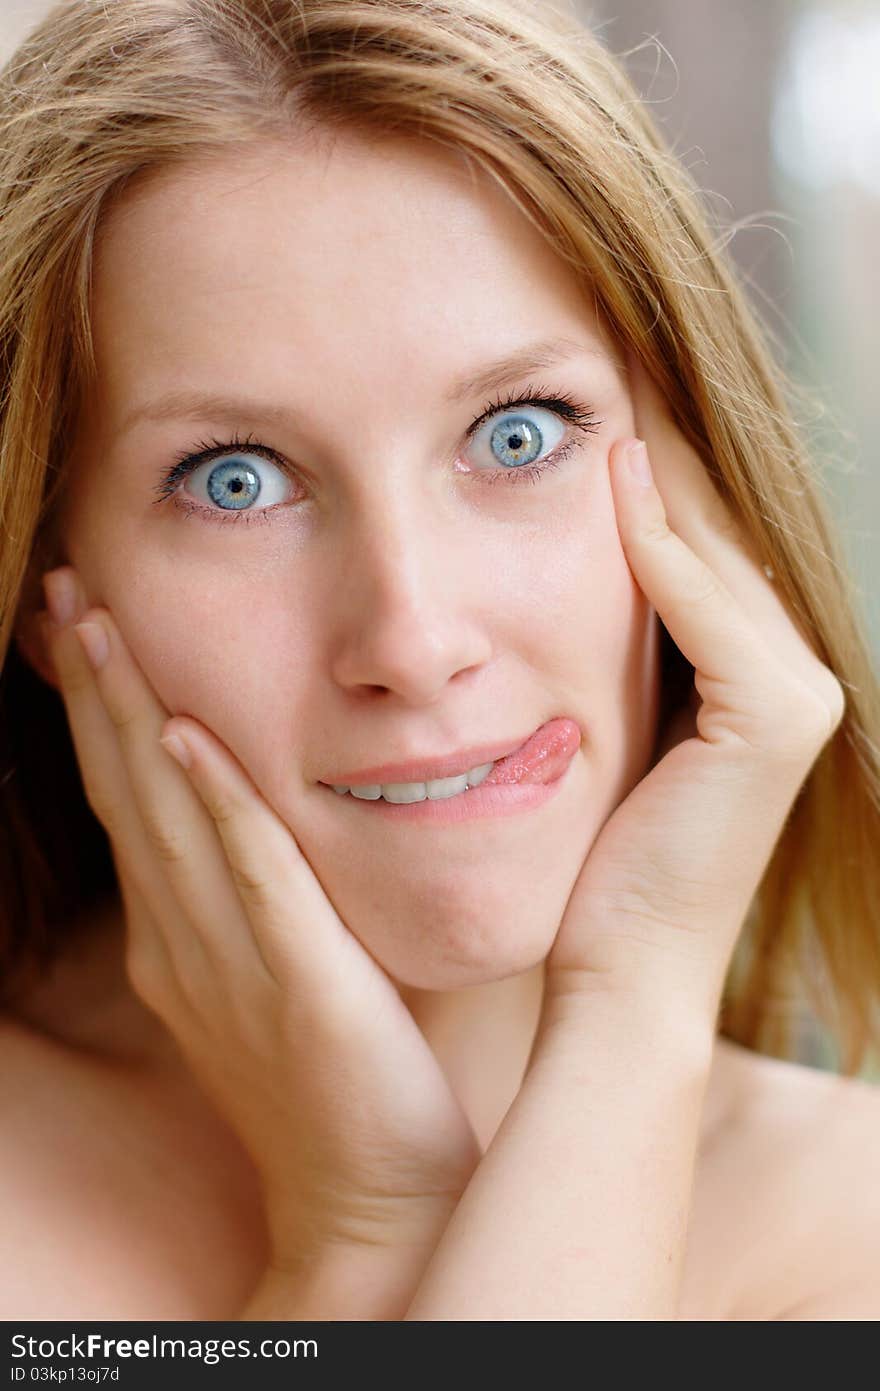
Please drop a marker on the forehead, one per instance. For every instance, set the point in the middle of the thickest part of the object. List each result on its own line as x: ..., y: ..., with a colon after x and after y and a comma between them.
x: 289, y: 262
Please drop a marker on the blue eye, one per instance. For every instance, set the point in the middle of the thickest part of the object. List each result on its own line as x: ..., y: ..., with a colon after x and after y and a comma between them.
x: 245, y: 480
x: 516, y: 441
x: 234, y: 484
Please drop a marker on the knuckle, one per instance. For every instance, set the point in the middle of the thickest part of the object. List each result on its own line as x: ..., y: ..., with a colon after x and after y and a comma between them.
x: 144, y: 969
x: 102, y: 805
x: 221, y: 807
x: 75, y: 681
x: 822, y: 710
x: 808, y: 723
x: 834, y: 699
x: 704, y: 589
x: 255, y: 887
x: 164, y: 839
x: 656, y: 529
x: 122, y: 720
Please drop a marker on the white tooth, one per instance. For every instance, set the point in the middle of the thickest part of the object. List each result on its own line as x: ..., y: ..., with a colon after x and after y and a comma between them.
x: 434, y: 790
x: 404, y: 791
x: 478, y: 775
x: 439, y: 788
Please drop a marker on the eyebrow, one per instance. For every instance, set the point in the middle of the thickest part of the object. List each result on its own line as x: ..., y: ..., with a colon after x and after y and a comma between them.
x: 212, y: 405
x: 516, y: 364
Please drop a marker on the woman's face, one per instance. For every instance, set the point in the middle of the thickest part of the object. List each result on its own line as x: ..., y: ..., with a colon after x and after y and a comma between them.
x: 378, y: 597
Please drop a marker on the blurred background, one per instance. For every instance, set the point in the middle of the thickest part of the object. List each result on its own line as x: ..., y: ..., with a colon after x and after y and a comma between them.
x: 774, y: 108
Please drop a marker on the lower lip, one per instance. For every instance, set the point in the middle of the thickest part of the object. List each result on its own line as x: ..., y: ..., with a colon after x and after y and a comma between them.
x: 499, y: 799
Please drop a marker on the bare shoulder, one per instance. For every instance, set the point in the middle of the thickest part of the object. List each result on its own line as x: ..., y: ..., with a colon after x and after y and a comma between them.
x: 49, y: 1257
x: 787, y: 1207
x: 116, y: 1204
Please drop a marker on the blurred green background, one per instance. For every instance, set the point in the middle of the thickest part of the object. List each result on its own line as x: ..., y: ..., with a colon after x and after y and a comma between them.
x: 774, y: 107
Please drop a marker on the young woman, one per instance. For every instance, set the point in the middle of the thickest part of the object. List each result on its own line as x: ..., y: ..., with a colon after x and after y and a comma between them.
x: 409, y: 544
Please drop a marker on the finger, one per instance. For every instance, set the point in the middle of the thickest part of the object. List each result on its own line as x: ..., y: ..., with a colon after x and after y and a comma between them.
x: 706, y: 521
x: 751, y: 699
x: 147, y: 962
x: 104, y: 776
x: 296, y: 926
x: 103, y: 771
x: 211, y: 930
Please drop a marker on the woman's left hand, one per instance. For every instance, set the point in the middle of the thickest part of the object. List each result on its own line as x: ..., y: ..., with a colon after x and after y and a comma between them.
x: 665, y: 888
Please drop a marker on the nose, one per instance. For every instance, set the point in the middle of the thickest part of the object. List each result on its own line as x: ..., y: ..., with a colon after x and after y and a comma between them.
x: 407, y: 616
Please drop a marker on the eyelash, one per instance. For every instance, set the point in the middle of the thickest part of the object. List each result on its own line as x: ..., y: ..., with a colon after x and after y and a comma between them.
x: 583, y: 420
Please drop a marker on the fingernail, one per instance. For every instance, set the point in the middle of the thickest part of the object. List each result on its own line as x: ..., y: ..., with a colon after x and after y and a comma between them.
x: 94, y: 643
x: 639, y: 467
x: 177, y: 748
x: 59, y: 588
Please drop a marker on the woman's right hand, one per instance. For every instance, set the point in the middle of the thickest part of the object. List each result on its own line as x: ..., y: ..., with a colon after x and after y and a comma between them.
x: 289, y: 1025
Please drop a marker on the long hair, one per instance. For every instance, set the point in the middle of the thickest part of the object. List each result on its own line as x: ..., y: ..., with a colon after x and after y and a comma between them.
x: 100, y: 93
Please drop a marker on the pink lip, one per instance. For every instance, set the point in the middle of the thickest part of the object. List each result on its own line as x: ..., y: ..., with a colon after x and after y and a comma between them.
x: 422, y: 770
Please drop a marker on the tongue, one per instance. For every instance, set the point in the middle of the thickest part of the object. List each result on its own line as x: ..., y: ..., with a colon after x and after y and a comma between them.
x: 541, y: 758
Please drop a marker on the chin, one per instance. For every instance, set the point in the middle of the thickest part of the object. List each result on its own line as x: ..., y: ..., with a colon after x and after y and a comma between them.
x: 459, y: 975
x: 476, y: 948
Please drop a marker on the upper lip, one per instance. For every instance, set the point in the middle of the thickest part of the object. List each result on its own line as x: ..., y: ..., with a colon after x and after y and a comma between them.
x: 427, y: 769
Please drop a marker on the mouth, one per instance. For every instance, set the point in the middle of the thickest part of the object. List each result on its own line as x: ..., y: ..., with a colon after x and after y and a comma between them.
x: 427, y: 769
x: 540, y: 758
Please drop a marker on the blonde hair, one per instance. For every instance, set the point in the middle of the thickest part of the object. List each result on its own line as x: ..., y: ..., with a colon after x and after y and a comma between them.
x: 101, y: 92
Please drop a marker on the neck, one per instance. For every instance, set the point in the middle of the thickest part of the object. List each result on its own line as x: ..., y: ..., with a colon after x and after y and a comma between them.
x: 482, y: 1037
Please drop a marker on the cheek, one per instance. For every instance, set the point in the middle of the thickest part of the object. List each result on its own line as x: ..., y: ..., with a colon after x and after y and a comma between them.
x: 218, y: 647
x: 603, y: 641
x: 211, y: 638
x: 593, y: 628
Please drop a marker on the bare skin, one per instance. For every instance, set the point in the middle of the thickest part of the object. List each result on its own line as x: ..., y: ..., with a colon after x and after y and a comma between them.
x: 150, y: 1209
x: 153, y: 1209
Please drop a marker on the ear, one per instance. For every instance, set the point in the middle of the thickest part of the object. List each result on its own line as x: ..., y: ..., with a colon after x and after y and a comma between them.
x: 27, y: 631
x: 28, y: 638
